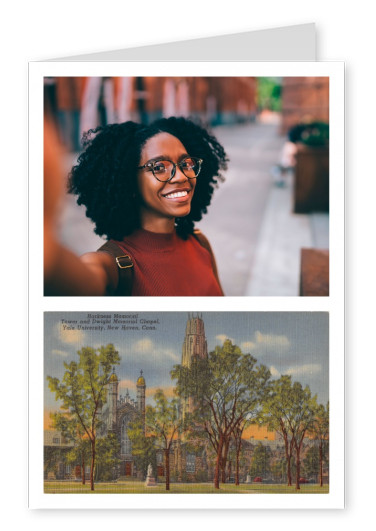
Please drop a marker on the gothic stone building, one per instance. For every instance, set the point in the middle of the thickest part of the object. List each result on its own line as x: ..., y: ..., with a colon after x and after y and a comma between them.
x: 116, y: 415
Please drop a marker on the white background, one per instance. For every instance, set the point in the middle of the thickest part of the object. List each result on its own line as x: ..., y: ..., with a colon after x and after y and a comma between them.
x: 41, y: 30
x: 332, y: 304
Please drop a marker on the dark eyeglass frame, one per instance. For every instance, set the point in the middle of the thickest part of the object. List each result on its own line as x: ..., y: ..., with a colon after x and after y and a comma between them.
x: 150, y: 166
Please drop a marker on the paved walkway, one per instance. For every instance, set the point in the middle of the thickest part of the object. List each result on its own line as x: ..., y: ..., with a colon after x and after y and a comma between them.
x: 256, y: 237
x: 276, y: 265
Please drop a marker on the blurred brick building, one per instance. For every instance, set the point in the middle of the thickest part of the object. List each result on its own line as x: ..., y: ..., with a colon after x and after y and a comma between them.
x: 304, y: 99
x: 216, y: 100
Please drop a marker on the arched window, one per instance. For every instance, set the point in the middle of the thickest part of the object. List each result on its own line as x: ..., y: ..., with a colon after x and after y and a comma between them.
x: 190, y: 463
x: 125, y: 442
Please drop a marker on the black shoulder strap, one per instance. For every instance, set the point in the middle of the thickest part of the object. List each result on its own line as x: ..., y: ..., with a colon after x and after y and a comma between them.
x: 125, y: 267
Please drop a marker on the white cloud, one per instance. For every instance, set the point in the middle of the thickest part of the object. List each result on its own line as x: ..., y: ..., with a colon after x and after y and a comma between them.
x: 274, y: 372
x: 147, y: 347
x: 304, y: 370
x: 70, y: 336
x: 271, y: 340
x: 143, y: 345
x: 223, y: 337
x: 56, y: 352
x: 247, y: 345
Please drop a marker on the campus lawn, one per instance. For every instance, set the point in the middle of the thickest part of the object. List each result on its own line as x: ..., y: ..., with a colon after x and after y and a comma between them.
x: 138, y: 487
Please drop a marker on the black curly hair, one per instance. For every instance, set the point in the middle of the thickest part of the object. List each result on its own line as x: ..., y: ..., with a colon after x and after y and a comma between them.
x: 105, y: 176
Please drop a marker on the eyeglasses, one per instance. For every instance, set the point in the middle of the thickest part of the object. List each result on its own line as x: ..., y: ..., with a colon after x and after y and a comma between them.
x: 165, y: 170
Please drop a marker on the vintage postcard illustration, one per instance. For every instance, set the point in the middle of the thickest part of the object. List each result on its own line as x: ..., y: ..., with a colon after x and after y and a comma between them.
x: 194, y: 403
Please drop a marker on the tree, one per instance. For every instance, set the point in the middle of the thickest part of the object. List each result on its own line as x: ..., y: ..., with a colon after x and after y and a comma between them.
x: 320, y: 431
x: 52, y: 456
x: 107, y: 451
x: 83, y: 388
x: 311, y: 462
x: 276, y: 407
x: 163, y: 422
x: 143, y: 447
x: 260, y: 463
x: 223, y: 391
x: 72, y: 431
x: 269, y: 92
x: 300, y: 419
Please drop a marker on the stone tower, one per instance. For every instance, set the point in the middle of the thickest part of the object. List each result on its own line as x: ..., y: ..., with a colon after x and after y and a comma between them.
x: 141, y: 387
x: 112, y: 400
x: 195, y: 343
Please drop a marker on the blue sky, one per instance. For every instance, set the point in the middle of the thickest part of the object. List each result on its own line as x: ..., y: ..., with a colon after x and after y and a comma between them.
x: 295, y: 343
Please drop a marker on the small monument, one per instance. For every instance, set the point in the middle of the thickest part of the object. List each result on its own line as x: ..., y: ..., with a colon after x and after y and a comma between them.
x: 150, y: 479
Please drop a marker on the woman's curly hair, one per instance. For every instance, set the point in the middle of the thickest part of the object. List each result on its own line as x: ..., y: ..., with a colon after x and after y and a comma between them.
x: 105, y: 176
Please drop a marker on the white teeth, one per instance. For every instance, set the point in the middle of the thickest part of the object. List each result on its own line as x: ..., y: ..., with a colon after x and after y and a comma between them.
x: 177, y: 194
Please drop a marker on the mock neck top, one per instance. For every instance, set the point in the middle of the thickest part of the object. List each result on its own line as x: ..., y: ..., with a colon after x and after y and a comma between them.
x: 166, y: 265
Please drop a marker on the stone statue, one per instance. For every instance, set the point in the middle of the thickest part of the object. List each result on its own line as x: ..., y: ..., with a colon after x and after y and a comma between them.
x: 150, y: 480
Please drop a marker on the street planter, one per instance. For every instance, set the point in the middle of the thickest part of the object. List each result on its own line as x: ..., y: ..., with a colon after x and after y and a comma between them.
x: 311, y: 184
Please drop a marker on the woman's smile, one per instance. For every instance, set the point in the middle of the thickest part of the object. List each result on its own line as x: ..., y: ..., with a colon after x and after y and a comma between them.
x: 180, y: 195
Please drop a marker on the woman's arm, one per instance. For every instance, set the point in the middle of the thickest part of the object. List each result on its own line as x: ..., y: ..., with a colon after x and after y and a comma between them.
x: 68, y: 274
x: 64, y: 272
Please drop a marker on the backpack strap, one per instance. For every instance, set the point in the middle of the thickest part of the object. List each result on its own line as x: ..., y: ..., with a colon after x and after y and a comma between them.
x: 204, y: 242
x: 125, y: 268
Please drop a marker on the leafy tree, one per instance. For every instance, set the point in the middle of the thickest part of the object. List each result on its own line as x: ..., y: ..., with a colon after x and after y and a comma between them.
x: 311, y: 462
x: 223, y: 391
x: 163, y: 422
x: 320, y: 431
x: 300, y: 419
x: 260, y: 463
x: 269, y: 93
x: 274, y: 415
x: 143, y: 447
x: 51, y: 458
x: 72, y: 431
x: 279, y: 470
x: 83, y: 388
x: 107, y: 451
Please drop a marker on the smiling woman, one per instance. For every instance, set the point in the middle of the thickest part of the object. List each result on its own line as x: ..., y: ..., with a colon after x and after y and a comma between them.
x: 144, y: 187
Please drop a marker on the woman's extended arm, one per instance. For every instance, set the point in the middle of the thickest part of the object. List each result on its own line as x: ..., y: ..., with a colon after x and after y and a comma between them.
x: 64, y: 272
x: 68, y: 274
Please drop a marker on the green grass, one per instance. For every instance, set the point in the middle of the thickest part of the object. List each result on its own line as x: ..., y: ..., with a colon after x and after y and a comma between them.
x: 138, y: 487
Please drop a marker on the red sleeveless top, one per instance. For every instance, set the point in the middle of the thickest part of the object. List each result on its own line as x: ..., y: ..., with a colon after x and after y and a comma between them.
x: 166, y: 265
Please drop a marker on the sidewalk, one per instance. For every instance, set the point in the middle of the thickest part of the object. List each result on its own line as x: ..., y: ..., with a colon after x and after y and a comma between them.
x: 276, y: 266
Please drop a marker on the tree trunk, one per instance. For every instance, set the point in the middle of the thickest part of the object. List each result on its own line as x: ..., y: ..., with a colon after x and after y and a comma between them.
x: 297, y: 448
x: 92, y: 464
x: 288, y: 460
x: 289, y: 475
x: 224, y: 459
x: 167, y: 466
x: 218, y: 463
x: 238, y: 448
x: 321, y: 464
x: 83, y: 479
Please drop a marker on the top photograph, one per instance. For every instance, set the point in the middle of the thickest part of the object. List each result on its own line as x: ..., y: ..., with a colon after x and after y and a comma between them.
x: 186, y: 186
